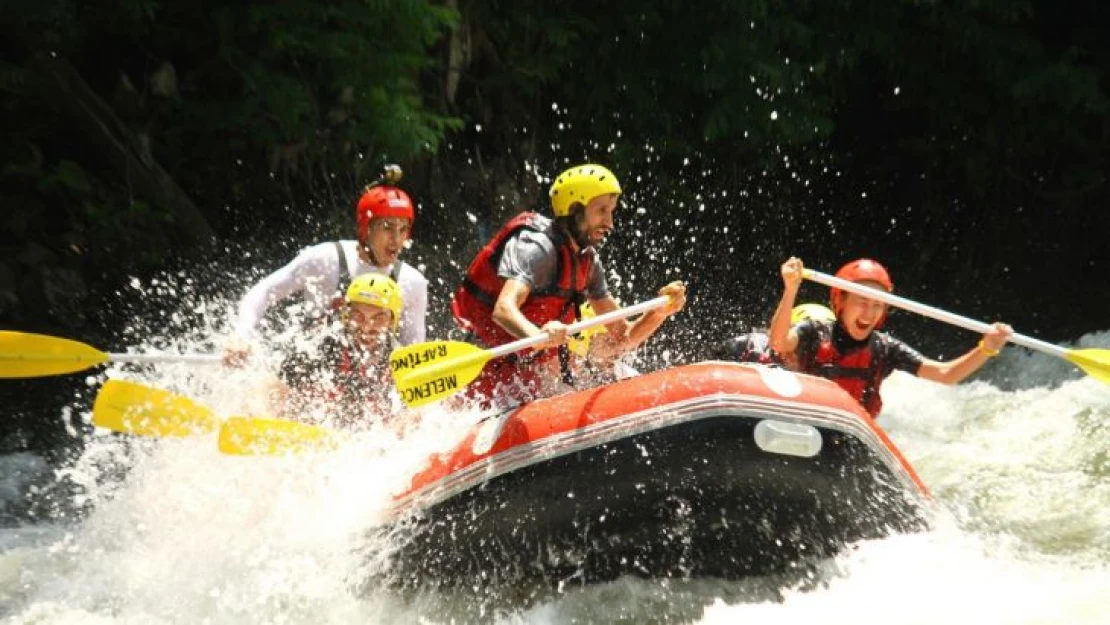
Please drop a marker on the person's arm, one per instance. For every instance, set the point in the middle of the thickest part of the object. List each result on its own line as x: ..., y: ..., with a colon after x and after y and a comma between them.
x: 310, y: 267
x: 277, y: 397
x: 616, y: 329
x: 414, y: 310
x: 280, y: 387
x: 956, y: 370
x: 507, y: 314
x: 526, y: 261
x: 780, y: 336
x: 620, y: 339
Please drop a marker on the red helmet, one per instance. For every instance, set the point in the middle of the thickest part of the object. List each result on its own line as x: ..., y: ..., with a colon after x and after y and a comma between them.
x: 382, y: 201
x: 861, y: 270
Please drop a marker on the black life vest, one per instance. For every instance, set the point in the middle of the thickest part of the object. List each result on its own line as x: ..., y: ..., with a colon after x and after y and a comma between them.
x: 752, y: 347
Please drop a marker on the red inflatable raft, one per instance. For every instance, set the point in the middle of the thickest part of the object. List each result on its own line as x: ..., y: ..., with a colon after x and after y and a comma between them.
x: 712, y: 469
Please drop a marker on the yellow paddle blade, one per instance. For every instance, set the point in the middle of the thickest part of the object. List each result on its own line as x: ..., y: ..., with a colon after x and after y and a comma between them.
x: 428, y: 372
x: 26, y: 355
x: 253, y: 436
x: 136, y: 409
x: 1096, y: 362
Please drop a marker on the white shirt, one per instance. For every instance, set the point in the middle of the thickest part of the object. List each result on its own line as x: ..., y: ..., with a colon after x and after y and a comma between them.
x: 315, y: 273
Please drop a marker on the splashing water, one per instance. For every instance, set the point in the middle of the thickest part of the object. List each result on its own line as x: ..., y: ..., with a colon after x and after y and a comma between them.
x: 178, y: 533
x: 171, y: 531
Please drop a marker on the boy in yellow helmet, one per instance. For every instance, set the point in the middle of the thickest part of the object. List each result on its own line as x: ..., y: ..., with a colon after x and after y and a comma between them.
x: 754, y: 347
x: 348, y: 376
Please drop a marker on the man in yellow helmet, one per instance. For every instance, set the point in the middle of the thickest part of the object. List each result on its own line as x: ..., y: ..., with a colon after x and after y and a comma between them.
x: 532, y: 277
x: 347, y: 378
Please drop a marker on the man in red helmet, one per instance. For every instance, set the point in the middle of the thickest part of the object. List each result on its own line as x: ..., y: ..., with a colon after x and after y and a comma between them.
x: 384, y: 215
x: 533, y: 276
x: 850, y: 351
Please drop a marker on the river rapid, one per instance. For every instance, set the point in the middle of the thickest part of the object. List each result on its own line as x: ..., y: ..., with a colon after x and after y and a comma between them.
x: 172, y: 531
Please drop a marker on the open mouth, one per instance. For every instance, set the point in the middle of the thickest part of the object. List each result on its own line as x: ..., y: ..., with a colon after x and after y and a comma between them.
x: 371, y: 339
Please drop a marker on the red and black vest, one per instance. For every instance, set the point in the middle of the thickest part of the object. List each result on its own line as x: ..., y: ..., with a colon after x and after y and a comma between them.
x: 473, y: 302
x: 858, y: 371
x: 336, y: 376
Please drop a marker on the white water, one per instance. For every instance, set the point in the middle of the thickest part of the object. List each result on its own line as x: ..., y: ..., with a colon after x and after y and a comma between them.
x: 192, y: 536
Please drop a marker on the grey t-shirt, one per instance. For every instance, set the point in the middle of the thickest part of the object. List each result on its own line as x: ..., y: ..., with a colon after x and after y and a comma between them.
x: 531, y: 257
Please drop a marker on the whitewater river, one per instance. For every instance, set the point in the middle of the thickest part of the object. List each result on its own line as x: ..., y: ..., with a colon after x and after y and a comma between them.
x: 174, y: 532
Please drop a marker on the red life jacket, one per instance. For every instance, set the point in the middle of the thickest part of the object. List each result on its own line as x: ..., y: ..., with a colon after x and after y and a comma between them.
x: 857, y: 371
x: 513, y: 377
x: 473, y: 302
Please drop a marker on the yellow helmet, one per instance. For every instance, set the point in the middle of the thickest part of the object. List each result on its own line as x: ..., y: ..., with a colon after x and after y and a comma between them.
x: 816, y: 312
x: 580, y: 185
x: 580, y: 343
x: 376, y: 290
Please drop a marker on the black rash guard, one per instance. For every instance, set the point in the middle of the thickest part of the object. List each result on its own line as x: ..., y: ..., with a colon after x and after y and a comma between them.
x: 889, y: 353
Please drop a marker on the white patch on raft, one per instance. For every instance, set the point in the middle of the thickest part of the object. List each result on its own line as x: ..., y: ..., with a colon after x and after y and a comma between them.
x: 781, y: 381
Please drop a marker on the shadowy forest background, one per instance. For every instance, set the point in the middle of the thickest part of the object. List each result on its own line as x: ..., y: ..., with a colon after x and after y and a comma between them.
x: 965, y: 144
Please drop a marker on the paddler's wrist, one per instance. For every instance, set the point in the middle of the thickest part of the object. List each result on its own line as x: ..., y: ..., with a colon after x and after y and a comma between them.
x: 985, y: 350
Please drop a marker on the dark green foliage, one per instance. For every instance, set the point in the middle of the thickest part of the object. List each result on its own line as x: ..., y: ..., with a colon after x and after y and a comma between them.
x: 892, y: 123
x: 244, y: 105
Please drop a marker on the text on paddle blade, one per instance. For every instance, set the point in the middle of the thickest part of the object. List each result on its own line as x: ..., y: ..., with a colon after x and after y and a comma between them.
x: 431, y: 390
x: 416, y: 358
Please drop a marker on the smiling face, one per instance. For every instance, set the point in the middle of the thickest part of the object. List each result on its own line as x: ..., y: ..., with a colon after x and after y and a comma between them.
x: 386, y: 239
x: 860, y: 315
x: 594, y: 223
x: 367, y: 324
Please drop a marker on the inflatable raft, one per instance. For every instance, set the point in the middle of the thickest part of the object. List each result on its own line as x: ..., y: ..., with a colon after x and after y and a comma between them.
x: 712, y: 469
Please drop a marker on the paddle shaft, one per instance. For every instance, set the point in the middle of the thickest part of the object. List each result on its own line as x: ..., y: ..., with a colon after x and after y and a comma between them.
x: 29, y: 355
x: 929, y: 311
x: 575, y: 328
x: 208, y: 359
x: 479, y: 357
